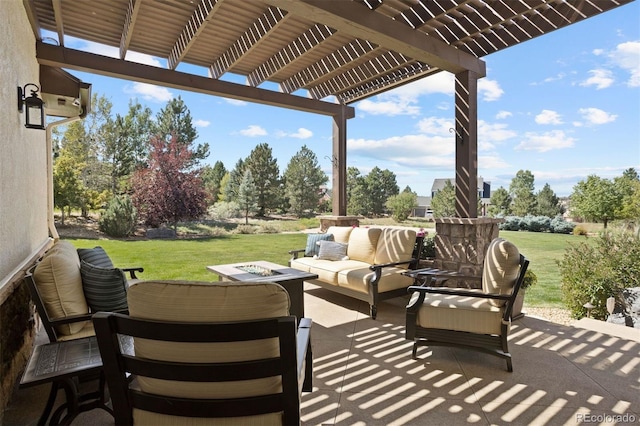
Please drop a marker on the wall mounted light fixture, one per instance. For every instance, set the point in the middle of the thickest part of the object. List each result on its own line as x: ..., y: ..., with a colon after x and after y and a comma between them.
x: 34, y: 114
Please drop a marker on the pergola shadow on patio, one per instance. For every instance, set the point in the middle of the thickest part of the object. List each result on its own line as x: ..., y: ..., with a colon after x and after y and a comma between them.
x: 364, y: 374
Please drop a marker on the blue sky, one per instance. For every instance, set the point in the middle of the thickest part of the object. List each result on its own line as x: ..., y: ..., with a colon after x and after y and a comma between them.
x: 563, y: 106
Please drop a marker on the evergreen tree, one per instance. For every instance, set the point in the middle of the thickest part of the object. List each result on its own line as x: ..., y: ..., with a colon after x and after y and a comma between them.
x: 547, y: 203
x: 212, y: 179
x: 303, y: 179
x: 266, y: 175
x: 233, y: 183
x: 248, y: 195
x: 175, y: 119
x: 521, y: 192
x: 358, y: 200
x: 443, y: 202
x: 500, y: 203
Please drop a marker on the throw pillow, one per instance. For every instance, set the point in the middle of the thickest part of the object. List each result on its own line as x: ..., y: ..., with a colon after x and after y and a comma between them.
x: 104, y: 288
x: 313, y: 243
x: 95, y: 256
x: 330, y: 250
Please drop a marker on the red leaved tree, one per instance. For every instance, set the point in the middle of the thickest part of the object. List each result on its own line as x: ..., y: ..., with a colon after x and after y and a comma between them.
x: 167, y: 191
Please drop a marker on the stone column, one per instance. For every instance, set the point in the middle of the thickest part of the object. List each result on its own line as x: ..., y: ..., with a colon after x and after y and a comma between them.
x: 461, y: 244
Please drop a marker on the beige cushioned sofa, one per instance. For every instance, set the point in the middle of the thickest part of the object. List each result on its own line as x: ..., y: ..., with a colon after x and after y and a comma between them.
x: 372, y: 267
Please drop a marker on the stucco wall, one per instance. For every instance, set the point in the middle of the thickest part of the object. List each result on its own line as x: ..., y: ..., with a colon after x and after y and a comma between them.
x: 23, y: 190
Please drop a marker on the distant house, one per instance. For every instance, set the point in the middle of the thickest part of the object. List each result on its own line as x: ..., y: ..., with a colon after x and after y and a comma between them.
x: 484, y: 188
x: 423, y: 209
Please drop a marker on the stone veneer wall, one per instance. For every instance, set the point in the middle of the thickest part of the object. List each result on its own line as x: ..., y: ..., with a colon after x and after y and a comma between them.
x: 461, y: 244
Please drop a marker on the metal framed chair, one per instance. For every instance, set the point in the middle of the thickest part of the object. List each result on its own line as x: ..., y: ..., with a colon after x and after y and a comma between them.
x: 472, y: 319
x: 206, y: 350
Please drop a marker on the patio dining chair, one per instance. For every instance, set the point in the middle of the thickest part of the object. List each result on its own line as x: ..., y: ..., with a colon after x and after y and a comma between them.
x: 205, y: 353
x: 478, y: 319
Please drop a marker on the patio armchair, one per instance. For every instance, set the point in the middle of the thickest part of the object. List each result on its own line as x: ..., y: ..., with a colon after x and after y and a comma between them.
x: 68, y: 286
x: 205, y: 352
x: 478, y: 319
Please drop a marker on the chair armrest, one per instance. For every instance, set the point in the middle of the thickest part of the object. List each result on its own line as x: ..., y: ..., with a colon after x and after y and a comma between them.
x: 386, y: 265
x: 303, y: 339
x: 71, y: 319
x: 295, y: 253
x: 459, y: 292
x: 132, y: 271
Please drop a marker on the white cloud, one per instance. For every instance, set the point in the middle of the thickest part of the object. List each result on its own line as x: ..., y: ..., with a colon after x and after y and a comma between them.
x: 491, y: 133
x: 201, y: 123
x: 548, y: 117
x: 501, y: 115
x: 543, y: 142
x: 436, y: 126
x: 302, y: 133
x: 236, y: 102
x: 408, y: 150
x: 491, y: 162
x: 596, y: 116
x: 113, y: 52
x: 600, y: 78
x: 390, y: 107
x: 627, y: 57
x: 490, y: 89
x: 149, y: 92
x: 253, y: 131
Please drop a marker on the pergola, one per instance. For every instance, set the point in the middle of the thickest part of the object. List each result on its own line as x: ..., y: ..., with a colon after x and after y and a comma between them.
x: 322, y: 55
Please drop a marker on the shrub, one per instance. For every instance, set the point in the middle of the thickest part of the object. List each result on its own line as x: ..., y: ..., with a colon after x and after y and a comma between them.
x: 245, y: 229
x: 536, y: 223
x: 428, y: 249
x: 268, y: 228
x: 561, y: 226
x: 119, y: 218
x: 224, y: 210
x: 511, y: 223
x: 597, y: 269
x: 530, y: 279
x: 579, y: 230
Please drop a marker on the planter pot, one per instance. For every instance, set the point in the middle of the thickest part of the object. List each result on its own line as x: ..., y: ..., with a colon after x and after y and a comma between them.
x: 516, y: 312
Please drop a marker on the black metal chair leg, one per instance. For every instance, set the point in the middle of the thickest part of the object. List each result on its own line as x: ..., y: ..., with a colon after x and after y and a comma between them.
x: 49, y: 406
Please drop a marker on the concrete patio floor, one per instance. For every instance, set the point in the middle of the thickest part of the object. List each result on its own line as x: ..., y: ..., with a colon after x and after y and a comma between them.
x: 364, y: 374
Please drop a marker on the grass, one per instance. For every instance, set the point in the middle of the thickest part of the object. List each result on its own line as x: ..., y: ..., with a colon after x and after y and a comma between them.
x: 188, y: 258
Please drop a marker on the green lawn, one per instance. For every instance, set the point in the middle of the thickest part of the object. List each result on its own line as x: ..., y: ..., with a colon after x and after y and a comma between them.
x: 188, y: 258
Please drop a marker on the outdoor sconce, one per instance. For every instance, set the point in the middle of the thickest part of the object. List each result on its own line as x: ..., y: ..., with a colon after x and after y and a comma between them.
x: 34, y: 115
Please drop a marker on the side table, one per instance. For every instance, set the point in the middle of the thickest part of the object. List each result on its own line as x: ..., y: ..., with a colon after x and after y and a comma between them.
x: 64, y: 364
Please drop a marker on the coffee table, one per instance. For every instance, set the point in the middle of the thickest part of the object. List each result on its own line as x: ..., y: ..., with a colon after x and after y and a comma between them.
x: 262, y: 271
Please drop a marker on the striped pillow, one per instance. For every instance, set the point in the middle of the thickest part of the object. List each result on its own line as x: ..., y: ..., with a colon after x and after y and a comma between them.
x: 313, y: 243
x: 104, y: 288
x: 95, y: 256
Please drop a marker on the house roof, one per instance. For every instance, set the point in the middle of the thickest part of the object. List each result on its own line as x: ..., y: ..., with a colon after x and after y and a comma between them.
x: 438, y: 184
x: 317, y: 49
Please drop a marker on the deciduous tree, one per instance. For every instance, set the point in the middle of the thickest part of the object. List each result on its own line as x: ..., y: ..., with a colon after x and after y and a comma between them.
x: 443, y: 202
x: 596, y: 199
x: 169, y: 189
x: 402, y: 204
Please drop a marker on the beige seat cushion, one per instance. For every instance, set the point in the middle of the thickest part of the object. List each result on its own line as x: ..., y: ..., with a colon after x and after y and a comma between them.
x: 59, y: 283
x: 395, y: 245
x: 363, y: 243
x: 359, y: 279
x: 459, y: 313
x: 186, y: 301
x: 501, y: 268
